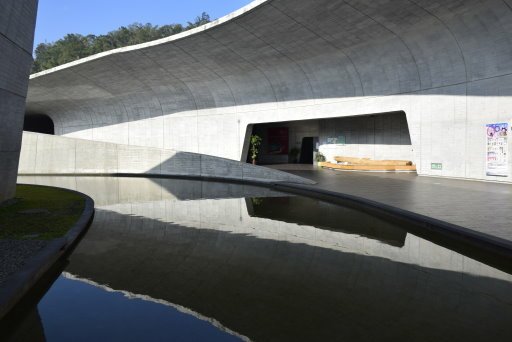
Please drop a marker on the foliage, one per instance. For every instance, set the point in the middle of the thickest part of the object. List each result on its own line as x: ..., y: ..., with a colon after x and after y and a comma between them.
x: 255, y: 146
x: 294, y: 153
x: 256, y: 201
x: 204, y: 18
x: 40, y: 213
x: 320, y: 158
x: 76, y: 46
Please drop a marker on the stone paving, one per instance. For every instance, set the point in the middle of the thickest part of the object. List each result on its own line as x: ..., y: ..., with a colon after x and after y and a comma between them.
x: 15, y: 253
x: 482, y: 206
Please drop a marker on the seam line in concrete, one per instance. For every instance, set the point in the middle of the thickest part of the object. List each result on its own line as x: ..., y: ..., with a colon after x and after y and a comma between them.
x: 16, y: 44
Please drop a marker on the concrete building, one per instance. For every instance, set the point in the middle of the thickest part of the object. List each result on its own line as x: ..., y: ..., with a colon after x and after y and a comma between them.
x: 17, y: 23
x: 401, y: 79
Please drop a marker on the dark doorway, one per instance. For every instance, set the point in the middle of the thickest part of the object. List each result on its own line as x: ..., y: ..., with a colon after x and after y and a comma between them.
x: 38, y: 123
x: 306, y: 150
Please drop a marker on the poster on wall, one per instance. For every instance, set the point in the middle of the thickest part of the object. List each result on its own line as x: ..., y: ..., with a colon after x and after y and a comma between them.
x: 497, y: 149
x: 278, y: 139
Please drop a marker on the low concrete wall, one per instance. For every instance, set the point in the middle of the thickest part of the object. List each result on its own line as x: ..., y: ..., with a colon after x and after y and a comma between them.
x: 17, y: 285
x: 48, y: 154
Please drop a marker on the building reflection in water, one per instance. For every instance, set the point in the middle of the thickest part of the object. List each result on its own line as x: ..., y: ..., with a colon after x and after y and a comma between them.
x: 255, y: 262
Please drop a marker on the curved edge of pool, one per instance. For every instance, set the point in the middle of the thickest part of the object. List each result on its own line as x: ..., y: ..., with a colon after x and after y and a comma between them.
x: 492, y: 250
x: 20, y: 283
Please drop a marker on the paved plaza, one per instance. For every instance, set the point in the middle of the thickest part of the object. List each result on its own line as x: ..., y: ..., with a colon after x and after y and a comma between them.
x: 483, y: 206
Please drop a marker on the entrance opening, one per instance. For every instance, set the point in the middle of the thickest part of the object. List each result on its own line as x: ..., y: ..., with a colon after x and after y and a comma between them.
x: 288, y: 142
x: 377, y: 139
x: 306, y: 150
x: 39, y: 123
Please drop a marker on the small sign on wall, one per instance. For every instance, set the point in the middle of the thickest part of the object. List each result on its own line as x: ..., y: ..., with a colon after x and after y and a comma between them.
x: 497, y: 149
x: 340, y: 140
x: 436, y: 166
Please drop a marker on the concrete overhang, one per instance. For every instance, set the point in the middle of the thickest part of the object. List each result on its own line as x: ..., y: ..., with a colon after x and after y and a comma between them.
x: 443, y: 63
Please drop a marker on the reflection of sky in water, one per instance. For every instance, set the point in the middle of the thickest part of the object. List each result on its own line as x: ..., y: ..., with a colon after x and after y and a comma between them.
x: 77, y: 311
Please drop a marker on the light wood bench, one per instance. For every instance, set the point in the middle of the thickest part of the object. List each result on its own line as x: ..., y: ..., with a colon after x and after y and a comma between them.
x: 367, y: 164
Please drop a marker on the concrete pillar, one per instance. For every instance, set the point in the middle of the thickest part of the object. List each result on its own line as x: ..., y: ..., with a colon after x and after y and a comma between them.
x: 17, y: 24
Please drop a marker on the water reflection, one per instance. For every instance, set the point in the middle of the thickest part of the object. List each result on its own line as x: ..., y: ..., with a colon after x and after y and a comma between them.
x: 264, y: 269
x: 309, y: 212
x: 112, y: 315
x: 115, y: 190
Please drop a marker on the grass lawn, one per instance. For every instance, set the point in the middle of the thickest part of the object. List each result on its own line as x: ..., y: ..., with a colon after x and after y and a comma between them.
x: 39, y: 213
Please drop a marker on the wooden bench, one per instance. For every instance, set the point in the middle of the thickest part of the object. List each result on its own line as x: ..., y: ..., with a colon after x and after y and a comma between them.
x: 367, y: 164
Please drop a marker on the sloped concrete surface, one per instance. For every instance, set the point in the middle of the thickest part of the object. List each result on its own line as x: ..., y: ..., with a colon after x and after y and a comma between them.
x: 47, y: 154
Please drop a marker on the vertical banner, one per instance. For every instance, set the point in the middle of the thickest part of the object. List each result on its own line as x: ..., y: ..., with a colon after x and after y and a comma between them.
x: 497, y: 149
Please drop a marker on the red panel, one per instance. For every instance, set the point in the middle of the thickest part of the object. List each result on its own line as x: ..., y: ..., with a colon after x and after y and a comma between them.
x: 278, y: 138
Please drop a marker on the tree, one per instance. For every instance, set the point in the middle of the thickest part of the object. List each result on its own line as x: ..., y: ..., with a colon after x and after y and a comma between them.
x: 76, y: 46
x: 255, y: 147
x: 200, y: 21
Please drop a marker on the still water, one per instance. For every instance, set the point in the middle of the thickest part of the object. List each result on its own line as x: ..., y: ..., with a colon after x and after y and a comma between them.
x: 177, y: 260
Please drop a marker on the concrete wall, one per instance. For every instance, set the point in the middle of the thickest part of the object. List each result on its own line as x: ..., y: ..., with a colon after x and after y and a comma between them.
x: 381, y: 136
x: 48, y: 154
x: 446, y: 64
x: 17, y: 22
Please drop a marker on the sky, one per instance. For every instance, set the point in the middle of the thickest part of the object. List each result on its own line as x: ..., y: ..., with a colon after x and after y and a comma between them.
x: 56, y: 18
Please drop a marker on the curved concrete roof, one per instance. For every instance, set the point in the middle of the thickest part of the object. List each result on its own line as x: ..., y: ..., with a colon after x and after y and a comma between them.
x: 278, y: 60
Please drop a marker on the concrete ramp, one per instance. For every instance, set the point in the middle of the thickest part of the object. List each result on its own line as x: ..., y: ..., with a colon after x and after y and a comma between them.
x: 56, y: 155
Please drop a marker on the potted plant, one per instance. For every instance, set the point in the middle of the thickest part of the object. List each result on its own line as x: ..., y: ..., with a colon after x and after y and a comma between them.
x: 293, y: 154
x: 255, y: 147
x: 319, y: 158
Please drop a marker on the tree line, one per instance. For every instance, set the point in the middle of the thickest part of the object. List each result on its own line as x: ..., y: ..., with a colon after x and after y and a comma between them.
x: 76, y: 46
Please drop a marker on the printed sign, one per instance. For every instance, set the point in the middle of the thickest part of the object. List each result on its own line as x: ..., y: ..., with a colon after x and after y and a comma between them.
x: 497, y: 149
x: 436, y: 166
x: 336, y: 140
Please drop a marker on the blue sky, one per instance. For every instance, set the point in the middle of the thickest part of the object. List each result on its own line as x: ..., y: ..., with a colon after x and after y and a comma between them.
x: 56, y: 18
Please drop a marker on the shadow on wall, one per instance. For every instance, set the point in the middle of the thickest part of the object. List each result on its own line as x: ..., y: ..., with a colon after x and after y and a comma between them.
x: 47, y: 154
x: 200, y: 165
x: 375, y: 129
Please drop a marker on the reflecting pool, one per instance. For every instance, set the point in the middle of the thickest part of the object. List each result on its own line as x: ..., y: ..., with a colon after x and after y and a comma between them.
x: 178, y: 260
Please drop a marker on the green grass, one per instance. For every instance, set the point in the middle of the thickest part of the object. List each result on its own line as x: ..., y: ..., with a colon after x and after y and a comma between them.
x: 51, y: 213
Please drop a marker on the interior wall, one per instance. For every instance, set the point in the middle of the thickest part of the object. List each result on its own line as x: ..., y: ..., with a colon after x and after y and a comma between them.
x: 297, y: 130
x: 379, y: 136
